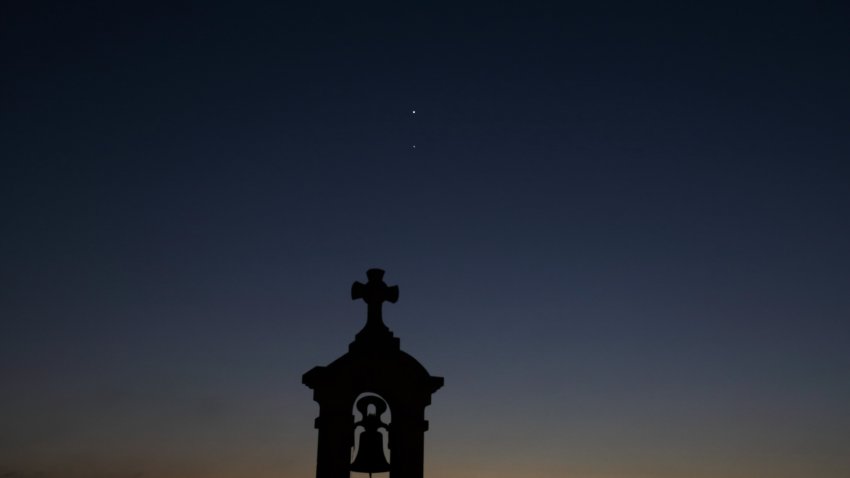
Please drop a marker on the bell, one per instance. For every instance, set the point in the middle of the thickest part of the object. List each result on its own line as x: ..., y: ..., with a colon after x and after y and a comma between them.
x: 370, y: 454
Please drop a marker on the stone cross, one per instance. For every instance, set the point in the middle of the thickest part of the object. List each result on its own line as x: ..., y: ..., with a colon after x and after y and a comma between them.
x: 374, y: 292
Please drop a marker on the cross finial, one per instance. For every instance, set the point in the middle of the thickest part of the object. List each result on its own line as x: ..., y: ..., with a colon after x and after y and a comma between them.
x: 374, y: 292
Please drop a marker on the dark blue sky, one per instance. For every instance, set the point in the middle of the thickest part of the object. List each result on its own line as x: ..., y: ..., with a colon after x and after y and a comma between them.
x: 621, y: 237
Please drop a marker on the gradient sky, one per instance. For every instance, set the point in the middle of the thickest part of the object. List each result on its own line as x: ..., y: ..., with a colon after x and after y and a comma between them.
x: 623, y: 237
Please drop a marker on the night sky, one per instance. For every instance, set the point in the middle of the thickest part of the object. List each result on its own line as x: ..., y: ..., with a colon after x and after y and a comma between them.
x: 623, y: 236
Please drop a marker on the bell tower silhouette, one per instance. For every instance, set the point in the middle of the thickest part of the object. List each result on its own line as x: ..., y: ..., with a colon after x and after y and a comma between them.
x: 374, y: 376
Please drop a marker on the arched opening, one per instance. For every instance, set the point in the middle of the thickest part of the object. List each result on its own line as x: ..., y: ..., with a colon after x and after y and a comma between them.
x: 372, y: 416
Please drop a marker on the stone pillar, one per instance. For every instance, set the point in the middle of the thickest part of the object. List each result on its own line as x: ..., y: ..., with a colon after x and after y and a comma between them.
x: 335, y: 424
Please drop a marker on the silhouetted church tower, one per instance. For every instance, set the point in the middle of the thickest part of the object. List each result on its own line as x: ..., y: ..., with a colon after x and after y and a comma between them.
x: 374, y: 376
